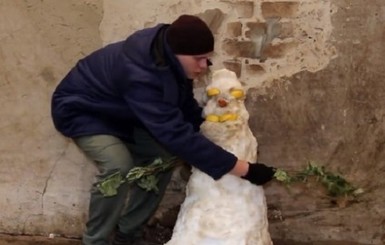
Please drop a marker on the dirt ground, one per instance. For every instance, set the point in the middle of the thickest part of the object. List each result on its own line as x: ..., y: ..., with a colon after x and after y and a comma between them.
x: 38, y: 240
x: 158, y: 232
x: 155, y: 234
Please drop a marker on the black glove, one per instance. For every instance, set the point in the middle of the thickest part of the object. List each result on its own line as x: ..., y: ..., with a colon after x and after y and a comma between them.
x: 259, y: 173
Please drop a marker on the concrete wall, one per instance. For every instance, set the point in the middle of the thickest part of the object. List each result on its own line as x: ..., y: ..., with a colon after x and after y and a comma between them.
x: 44, y: 180
x: 314, y: 69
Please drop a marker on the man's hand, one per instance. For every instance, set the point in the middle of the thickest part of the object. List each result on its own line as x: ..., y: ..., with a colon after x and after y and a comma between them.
x: 259, y: 173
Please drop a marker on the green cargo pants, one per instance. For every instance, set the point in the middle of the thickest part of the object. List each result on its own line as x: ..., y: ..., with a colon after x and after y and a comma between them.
x: 111, y: 154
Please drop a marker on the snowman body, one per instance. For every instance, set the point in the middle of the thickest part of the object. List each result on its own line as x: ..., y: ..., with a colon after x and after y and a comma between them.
x: 231, y: 210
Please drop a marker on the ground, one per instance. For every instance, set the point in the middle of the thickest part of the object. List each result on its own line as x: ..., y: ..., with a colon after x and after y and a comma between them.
x: 35, y: 240
x: 158, y: 231
x: 154, y: 235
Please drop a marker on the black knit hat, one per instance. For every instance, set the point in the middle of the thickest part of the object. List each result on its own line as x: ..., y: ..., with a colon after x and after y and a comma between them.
x: 189, y: 35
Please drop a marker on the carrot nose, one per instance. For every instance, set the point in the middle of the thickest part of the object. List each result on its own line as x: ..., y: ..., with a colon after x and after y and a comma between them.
x: 222, y: 103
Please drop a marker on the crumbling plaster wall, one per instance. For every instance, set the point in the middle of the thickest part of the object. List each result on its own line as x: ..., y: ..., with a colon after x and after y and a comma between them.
x: 333, y: 117
x: 314, y: 69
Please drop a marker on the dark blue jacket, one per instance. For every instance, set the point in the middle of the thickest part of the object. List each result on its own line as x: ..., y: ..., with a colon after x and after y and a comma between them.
x: 137, y: 83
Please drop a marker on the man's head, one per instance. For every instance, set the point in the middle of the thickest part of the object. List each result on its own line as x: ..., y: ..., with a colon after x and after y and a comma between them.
x: 192, y: 42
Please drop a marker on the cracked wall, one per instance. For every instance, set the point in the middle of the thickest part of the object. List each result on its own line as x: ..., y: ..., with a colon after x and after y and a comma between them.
x: 314, y: 70
x: 44, y: 180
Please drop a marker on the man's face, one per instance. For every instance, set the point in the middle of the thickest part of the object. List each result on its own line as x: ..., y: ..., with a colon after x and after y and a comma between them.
x: 194, y: 65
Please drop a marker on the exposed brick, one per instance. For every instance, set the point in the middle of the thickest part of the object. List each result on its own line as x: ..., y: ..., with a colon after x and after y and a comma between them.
x: 272, y: 28
x: 257, y: 33
x: 286, y: 30
x: 244, y: 9
x: 233, y: 65
x: 262, y: 34
x: 234, y: 29
x: 277, y: 50
x: 279, y: 9
x: 254, y: 69
x: 239, y: 48
x: 255, y: 29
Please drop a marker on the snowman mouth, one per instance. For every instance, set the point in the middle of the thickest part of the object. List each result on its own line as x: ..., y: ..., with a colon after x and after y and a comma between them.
x: 222, y: 118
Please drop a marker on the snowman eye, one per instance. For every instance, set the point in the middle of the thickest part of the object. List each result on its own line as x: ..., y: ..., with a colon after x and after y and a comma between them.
x: 237, y: 93
x: 212, y: 92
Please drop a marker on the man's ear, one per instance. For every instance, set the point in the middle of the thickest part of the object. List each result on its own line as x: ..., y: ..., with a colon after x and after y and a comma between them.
x: 209, y: 63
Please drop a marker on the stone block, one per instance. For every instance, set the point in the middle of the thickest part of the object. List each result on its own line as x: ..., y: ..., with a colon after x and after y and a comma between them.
x: 254, y: 69
x: 244, y: 9
x: 276, y: 51
x: 279, y: 9
x: 236, y: 48
x: 259, y: 34
x: 255, y: 29
x: 273, y: 27
x: 286, y: 30
x: 234, y: 29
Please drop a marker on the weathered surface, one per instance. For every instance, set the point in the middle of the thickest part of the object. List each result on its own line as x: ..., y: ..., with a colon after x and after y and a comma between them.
x: 315, y: 70
x: 336, y: 118
x: 44, y: 181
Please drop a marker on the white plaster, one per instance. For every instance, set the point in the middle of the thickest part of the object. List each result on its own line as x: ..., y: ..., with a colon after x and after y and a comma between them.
x: 36, y: 170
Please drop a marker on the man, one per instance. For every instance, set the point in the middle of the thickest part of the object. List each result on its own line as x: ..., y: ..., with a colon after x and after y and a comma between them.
x: 131, y: 102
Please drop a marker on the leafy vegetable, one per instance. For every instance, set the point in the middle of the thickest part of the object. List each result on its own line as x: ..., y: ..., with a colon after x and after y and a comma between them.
x: 109, y: 186
x: 335, y: 184
x: 145, y: 177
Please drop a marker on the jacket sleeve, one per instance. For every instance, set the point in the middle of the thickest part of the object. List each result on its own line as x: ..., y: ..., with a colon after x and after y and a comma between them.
x: 165, y: 121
